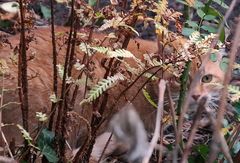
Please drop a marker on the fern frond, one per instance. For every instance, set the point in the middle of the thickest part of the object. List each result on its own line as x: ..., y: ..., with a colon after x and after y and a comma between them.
x: 101, y: 49
x: 106, y: 50
x: 3, y: 66
x: 133, y: 70
x: 86, y: 48
x: 25, y: 134
x: 131, y: 28
x: 60, y: 69
x: 236, y: 66
x: 160, y: 29
x: 190, y: 3
x: 78, y: 66
x: 195, y: 37
x: 101, y: 87
x: 120, y: 53
x: 113, y: 23
x: 148, y: 75
x: 234, y: 92
x: 42, y: 117
x: 161, y: 8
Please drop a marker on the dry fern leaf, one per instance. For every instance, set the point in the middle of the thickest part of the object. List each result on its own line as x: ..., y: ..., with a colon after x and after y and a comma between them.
x: 190, y: 3
x: 234, y: 93
x: 161, y: 8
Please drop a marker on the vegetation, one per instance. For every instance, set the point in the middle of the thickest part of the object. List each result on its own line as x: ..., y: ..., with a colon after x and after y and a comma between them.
x: 198, y: 23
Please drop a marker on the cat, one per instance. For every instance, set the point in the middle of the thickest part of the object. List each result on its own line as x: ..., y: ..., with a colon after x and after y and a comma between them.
x: 40, y: 80
x: 40, y: 77
x: 208, y: 82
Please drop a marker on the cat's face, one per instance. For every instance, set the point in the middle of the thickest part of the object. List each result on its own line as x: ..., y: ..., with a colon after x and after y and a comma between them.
x: 208, y: 82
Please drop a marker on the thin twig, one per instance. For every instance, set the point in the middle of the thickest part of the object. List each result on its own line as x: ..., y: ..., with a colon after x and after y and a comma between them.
x: 62, y: 109
x: 2, y: 106
x: 54, y: 64
x: 234, y: 136
x: 23, y: 67
x: 162, y: 87
x: 171, y: 108
x: 220, y: 138
x: 105, y: 147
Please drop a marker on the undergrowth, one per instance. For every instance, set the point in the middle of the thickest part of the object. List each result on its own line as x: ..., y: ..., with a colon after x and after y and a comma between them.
x: 101, y: 94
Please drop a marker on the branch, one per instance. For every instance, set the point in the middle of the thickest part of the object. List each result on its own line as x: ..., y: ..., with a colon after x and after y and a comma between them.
x: 162, y: 87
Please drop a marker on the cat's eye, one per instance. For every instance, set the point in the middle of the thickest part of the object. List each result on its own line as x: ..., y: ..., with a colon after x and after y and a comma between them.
x: 207, y: 78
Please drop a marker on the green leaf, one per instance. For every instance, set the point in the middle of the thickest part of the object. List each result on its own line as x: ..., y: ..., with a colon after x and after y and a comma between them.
x: 45, y: 137
x: 23, y: 161
x: 212, y: 11
x: 221, y: 3
x: 192, y: 23
x: 224, y: 64
x: 50, y: 154
x: 203, y: 151
x: 48, y: 135
x: 222, y: 36
x: 209, y: 28
x: 200, y: 13
x: 45, y: 11
x: 5, y: 24
x: 149, y: 98
x: 236, y: 147
x: 237, y: 106
x: 187, y: 31
x: 209, y: 17
x: 44, y: 143
x: 198, y: 4
x: 213, y: 57
x: 182, y: 2
x: 92, y: 2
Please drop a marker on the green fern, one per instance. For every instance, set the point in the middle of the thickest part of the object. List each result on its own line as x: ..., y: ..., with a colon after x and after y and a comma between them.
x: 101, y: 87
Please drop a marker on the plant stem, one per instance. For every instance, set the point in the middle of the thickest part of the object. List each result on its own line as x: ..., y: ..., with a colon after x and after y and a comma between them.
x: 183, y: 87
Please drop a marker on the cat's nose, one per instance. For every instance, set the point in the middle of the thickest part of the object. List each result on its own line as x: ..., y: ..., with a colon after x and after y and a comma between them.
x: 195, y: 97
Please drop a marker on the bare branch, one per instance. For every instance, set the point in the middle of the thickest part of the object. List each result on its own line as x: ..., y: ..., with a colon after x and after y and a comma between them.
x: 162, y: 87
